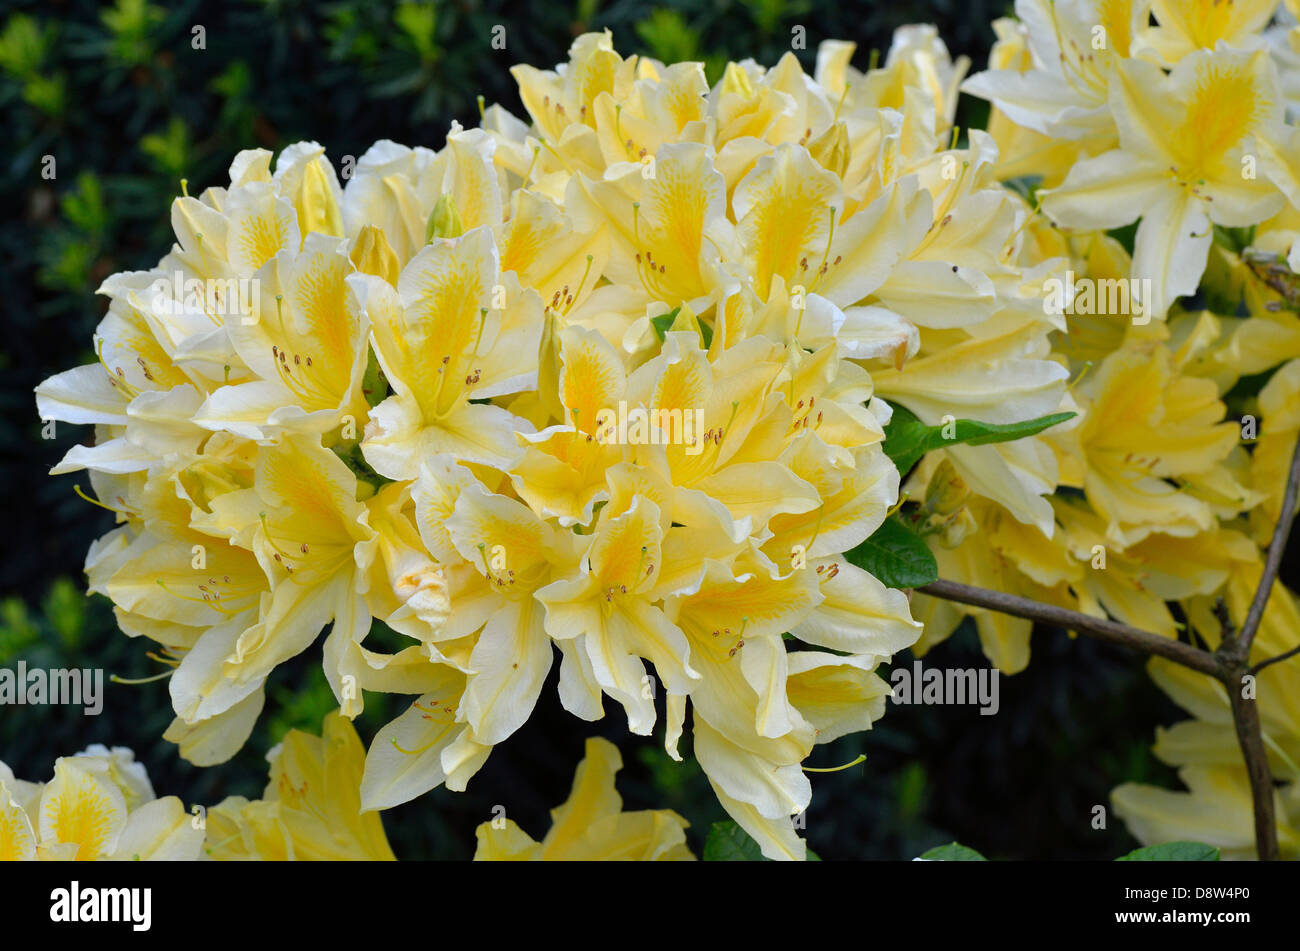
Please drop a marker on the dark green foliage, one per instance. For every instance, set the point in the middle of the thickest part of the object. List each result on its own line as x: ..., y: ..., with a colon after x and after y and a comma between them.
x: 728, y: 842
x: 896, y: 555
x: 1173, y: 852
x: 952, y: 852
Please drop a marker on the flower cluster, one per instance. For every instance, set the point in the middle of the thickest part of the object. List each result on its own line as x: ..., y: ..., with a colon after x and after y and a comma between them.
x: 1181, y: 125
x: 101, y: 806
x: 613, y: 383
x: 409, y: 400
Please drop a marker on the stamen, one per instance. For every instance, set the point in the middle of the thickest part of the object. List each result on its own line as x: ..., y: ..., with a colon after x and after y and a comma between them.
x: 266, y: 531
x: 416, y: 752
x: 581, y: 284
x: 122, y: 512
x: 721, y: 434
x: 114, y: 678
x: 528, y: 174
x: 212, y: 600
x: 119, y: 380
x: 835, y: 769
x: 170, y: 662
x: 817, y: 528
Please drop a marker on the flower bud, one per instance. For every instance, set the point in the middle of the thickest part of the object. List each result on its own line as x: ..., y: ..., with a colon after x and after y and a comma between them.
x: 372, y: 254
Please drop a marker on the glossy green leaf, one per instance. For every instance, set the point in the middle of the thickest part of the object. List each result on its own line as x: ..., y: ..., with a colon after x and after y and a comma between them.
x: 1173, y: 852
x: 897, y: 556
x: 952, y: 852
x: 907, y: 439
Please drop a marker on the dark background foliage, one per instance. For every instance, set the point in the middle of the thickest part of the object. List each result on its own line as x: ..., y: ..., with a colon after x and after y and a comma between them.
x: 127, y: 107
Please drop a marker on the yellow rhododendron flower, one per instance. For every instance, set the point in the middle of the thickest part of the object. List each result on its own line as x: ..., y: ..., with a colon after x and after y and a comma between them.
x: 1187, y: 144
x: 1144, y: 426
x: 591, y: 824
x: 1203, y: 24
x: 99, y: 805
x: 311, y: 809
x: 1076, y: 48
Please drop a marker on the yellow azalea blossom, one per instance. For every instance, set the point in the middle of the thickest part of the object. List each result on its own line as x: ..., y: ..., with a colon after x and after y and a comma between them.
x: 917, y: 59
x: 591, y: 824
x: 1134, y: 583
x: 1076, y: 48
x: 1022, y: 150
x: 1002, y: 554
x: 99, y: 806
x: 1145, y: 424
x: 995, y: 379
x: 657, y: 111
x: 1204, y: 24
x: 1280, y: 161
x: 137, y: 390
x: 748, y: 737
x: 395, y: 189
x: 1088, y: 338
x: 311, y: 809
x: 304, y: 345
x: 1212, y: 734
x: 664, y: 227
x: 409, y: 420
x: 313, y: 540
x: 772, y: 106
x: 561, y: 472
x: 453, y: 331
x: 1216, y: 809
x: 558, y: 102
x: 424, y: 747
x: 1184, y: 162
x: 1284, y: 40
x: 608, y: 604
x: 514, y: 554
x: 548, y: 253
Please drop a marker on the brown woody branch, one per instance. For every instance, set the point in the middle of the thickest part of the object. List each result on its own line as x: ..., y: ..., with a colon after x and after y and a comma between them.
x: 1229, y: 664
x: 1273, y: 561
x: 1103, y: 629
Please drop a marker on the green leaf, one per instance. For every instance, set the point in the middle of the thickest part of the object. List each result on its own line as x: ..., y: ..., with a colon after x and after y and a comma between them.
x: 171, y: 150
x: 1026, y: 186
x: 1173, y: 852
x: 907, y: 439
x: 673, y: 320
x: 728, y: 842
x: 1235, y: 240
x: 663, y: 322
x: 1126, y: 236
x: 669, y: 37
x: 65, y: 608
x: 952, y: 852
x: 374, y: 385
x: 897, y: 556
